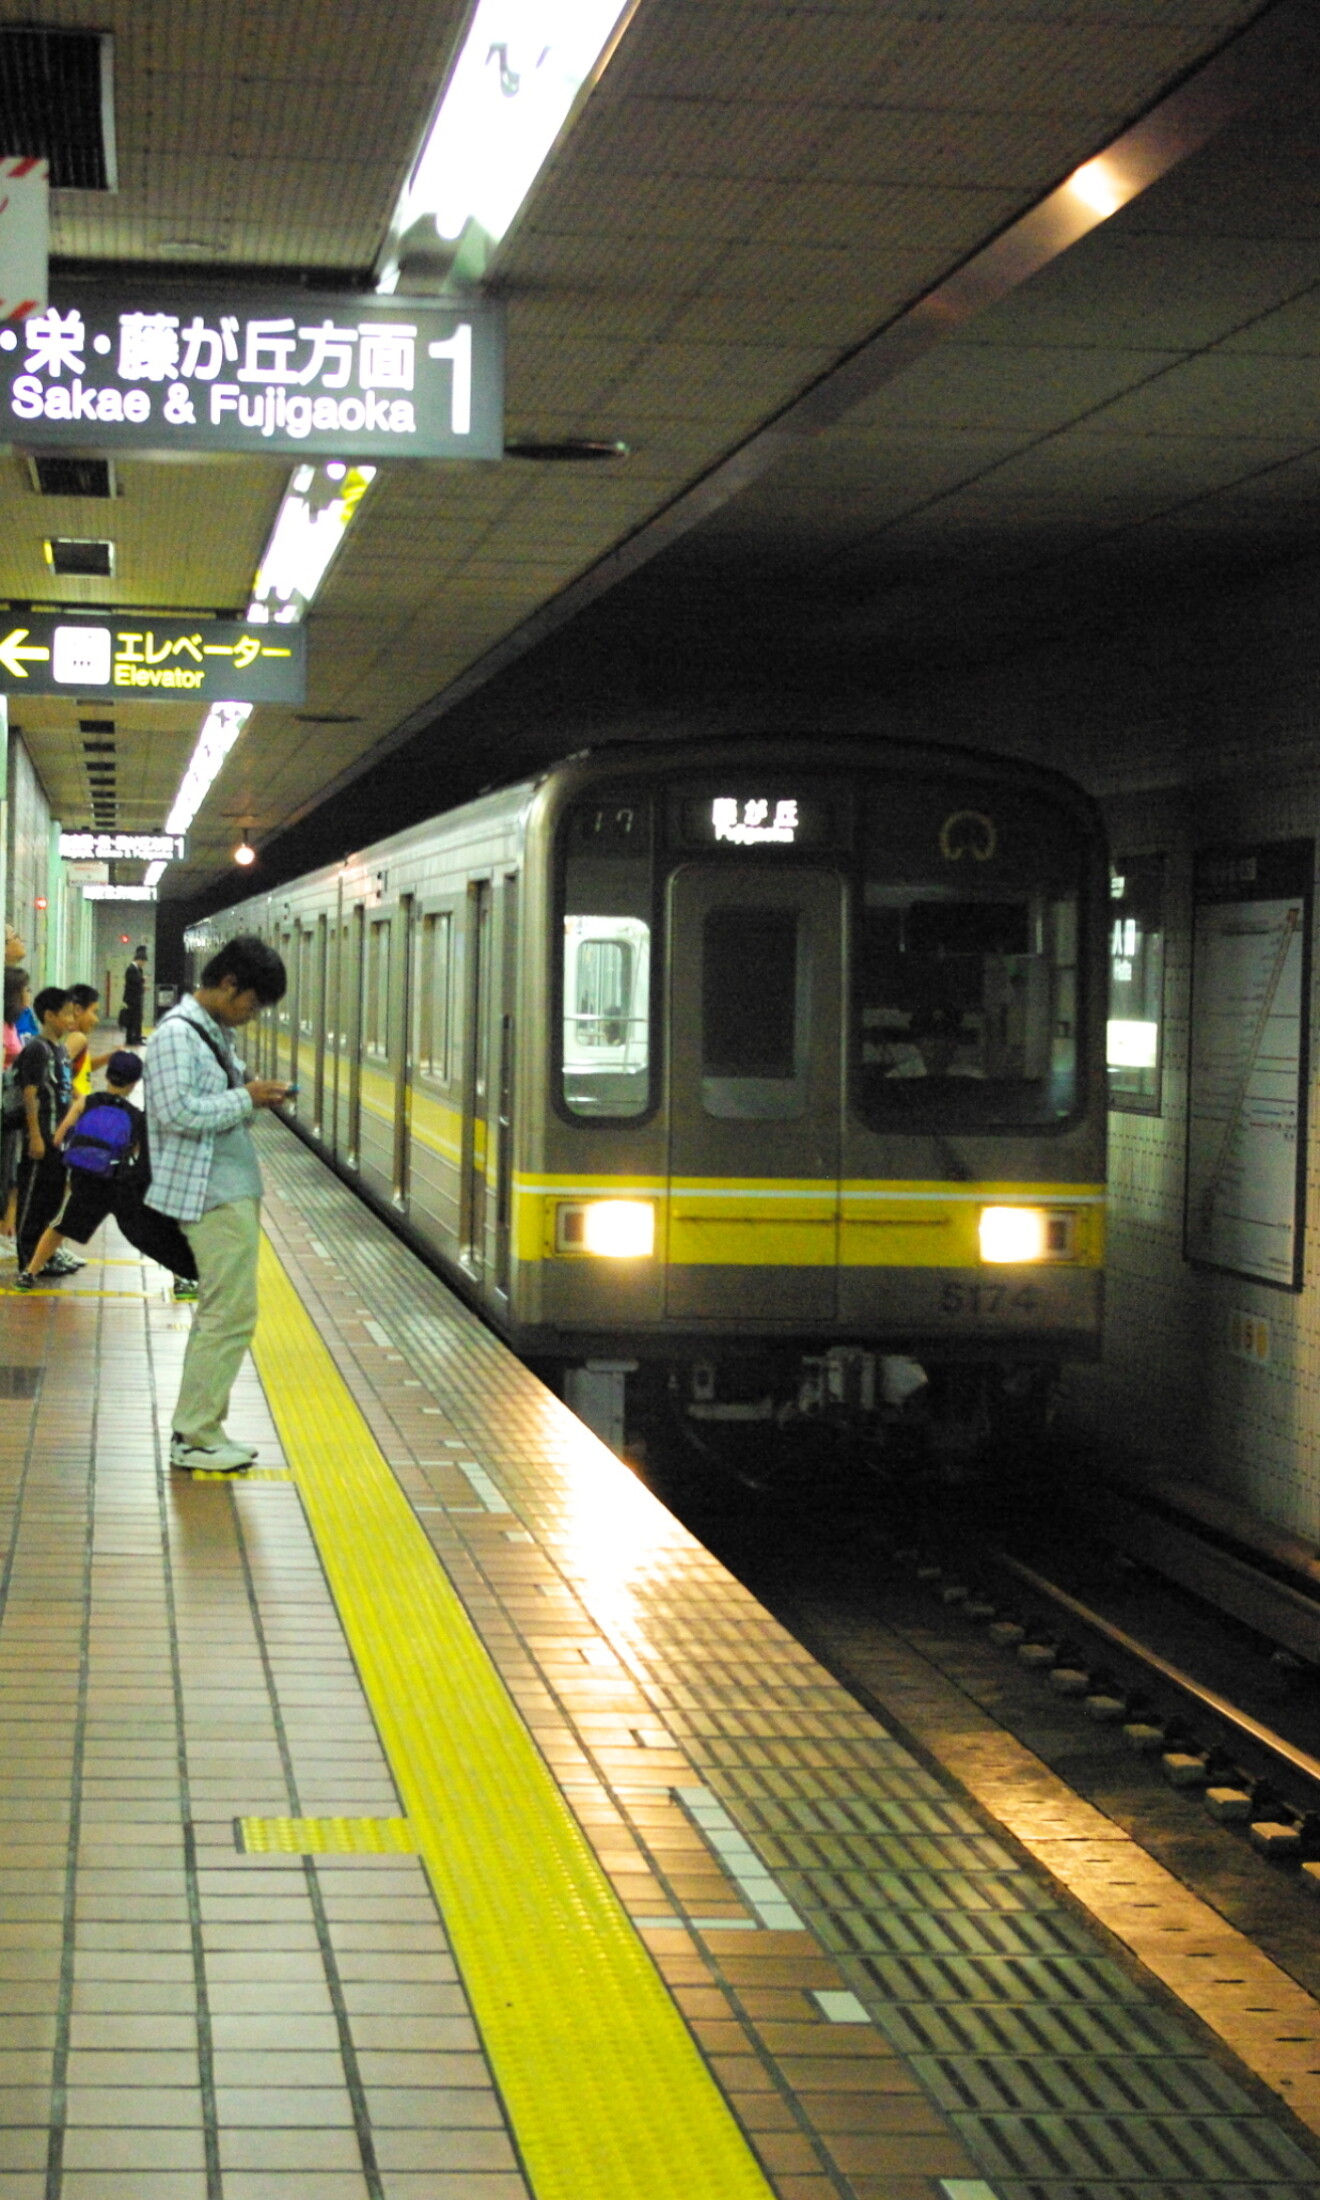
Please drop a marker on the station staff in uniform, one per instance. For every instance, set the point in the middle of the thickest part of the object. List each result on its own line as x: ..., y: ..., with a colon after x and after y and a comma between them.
x: 135, y: 987
x: 204, y: 1172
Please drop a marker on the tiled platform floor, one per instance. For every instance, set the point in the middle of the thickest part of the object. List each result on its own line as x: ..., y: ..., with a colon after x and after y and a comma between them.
x: 896, y: 2004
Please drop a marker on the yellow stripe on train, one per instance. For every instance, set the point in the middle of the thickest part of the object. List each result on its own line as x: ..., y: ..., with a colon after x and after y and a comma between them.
x: 713, y: 1222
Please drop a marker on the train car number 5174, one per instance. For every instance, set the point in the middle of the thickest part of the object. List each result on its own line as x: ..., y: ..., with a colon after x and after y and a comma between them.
x: 988, y: 1298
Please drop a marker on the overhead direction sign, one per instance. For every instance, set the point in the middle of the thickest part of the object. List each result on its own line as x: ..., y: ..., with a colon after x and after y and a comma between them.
x: 108, y: 655
x: 161, y: 370
x: 24, y: 235
x: 98, y: 847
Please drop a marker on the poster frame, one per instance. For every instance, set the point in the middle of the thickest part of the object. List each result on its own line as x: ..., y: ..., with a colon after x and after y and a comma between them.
x: 1242, y: 873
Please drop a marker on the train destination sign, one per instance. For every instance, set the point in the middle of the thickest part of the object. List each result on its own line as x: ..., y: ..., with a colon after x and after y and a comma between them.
x: 767, y: 818
x: 108, y: 368
x: 176, y: 660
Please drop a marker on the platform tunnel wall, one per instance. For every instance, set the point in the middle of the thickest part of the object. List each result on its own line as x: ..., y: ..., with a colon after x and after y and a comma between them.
x: 1196, y: 726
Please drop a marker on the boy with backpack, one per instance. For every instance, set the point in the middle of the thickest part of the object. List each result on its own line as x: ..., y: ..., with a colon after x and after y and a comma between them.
x: 104, y: 1141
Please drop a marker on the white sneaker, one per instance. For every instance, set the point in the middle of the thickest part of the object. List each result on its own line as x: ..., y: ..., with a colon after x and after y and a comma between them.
x: 225, y: 1458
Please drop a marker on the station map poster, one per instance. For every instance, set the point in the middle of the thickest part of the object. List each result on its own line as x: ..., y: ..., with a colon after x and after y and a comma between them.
x: 1246, y: 1129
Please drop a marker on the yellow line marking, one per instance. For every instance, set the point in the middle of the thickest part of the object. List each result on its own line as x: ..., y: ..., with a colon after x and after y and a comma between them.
x: 325, y: 1836
x: 245, y: 1474
x: 605, y: 2087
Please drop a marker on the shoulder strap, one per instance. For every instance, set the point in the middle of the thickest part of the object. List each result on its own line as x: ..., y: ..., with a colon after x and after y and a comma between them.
x: 225, y: 1060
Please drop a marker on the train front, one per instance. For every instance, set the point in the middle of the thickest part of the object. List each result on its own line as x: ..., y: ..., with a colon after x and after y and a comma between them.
x: 825, y: 1135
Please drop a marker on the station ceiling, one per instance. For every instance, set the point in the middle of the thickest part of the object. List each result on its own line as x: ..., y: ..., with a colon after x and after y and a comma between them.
x: 724, y: 266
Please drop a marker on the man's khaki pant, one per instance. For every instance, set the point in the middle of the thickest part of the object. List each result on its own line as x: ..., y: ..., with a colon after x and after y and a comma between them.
x: 225, y: 1243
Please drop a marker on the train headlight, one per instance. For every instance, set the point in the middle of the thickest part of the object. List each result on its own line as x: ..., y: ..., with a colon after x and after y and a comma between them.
x: 1011, y: 1234
x: 619, y: 1229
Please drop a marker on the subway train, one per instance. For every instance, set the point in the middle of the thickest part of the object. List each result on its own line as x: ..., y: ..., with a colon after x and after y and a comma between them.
x: 759, y: 1086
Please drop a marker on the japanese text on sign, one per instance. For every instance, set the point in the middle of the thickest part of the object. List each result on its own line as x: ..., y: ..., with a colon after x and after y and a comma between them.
x: 750, y: 823
x: 206, y: 659
x: 123, y: 847
x: 338, y: 374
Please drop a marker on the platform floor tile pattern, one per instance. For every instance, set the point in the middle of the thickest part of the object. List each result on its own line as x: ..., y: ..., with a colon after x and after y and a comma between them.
x: 895, y: 2004
x: 647, y: 1675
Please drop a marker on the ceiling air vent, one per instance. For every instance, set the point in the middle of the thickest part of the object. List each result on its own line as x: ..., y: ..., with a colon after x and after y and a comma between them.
x: 57, y: 100
x: 72, y: 477
x: 66, y: 554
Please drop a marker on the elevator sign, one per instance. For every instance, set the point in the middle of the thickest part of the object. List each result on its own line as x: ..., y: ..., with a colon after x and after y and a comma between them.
x: 170, y: 660
x: 165, y: 372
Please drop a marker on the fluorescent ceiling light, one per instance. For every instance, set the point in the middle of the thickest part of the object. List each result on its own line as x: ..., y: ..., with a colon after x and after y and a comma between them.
x: 316, y: 509
x: 220, y: 729
x: 318, y: 505
x: 522, y: 68
x: 151, y: 876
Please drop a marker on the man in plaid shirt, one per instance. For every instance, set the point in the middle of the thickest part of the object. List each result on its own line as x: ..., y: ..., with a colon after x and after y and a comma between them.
x: 204, y: 1172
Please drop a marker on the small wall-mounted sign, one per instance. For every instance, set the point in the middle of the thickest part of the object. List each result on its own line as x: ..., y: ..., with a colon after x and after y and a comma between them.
x: 1249, y: 1337
x: 119, y: 893
x: 157, y: 369
x: 112, y: 655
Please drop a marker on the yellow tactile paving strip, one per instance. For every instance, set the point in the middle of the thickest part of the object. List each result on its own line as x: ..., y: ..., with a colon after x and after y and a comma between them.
x: 325, y: 1836
x: 607, y: 2093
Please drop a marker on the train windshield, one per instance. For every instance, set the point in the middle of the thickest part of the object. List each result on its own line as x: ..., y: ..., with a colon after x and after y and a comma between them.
x: 965, y: 992
x: 606, y: 970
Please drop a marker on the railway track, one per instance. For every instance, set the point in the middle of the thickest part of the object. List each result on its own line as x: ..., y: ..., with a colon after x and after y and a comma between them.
x: 1201, y: 1660
x: 1251, y: 1769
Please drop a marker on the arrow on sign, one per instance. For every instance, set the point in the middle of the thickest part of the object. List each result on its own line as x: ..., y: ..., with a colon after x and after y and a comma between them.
x: 11, y: 653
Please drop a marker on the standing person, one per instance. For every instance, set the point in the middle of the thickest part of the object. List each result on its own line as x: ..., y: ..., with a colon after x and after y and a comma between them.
x: 15, y: 953
x: 135, y: 986
x: 17, y: 998
x: 204, y: 1172
x: 78, y: 1045
x: 46, y: 1079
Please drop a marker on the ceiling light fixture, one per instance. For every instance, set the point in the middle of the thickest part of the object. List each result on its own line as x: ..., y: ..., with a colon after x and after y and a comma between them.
x: 1100, y: 186
x: 317, y: 508
x: 314, y: 513
x: 522, y: 70
x: 245, y: 853
x: 221, y: 727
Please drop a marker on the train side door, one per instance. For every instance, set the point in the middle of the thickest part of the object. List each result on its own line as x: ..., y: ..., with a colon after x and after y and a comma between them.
x: 504, y: 1085
x: 476, y: 1094
x: 755, y: 1093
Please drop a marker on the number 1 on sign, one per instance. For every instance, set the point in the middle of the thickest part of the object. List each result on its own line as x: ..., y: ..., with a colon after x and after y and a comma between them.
x: 458, y: 350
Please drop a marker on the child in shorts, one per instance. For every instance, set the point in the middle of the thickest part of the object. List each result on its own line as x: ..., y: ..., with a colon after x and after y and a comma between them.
x: 93, y: 1195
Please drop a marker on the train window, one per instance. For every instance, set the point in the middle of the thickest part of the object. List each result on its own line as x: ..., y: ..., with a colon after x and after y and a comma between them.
x: 753, y: 1036
x: 606, y: 970
x: 434, y: 993
x: 376, y: 993
x: 305, y: 997
x: 1136, y: 984
x: 965, y: 1007
x: 965, y: 994
x: 607, y: 1016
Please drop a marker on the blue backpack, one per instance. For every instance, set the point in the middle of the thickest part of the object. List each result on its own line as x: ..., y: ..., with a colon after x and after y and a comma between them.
x: 102, y: 1137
